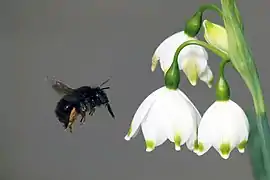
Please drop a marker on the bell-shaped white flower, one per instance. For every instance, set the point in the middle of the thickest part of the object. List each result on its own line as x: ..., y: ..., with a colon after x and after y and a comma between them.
x: 224, y: 126
x: 216, y: 35
x: 166, y: 114
x: 192, y: 59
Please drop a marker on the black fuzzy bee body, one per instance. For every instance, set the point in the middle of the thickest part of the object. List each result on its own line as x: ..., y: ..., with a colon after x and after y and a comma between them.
x: 79, y: 101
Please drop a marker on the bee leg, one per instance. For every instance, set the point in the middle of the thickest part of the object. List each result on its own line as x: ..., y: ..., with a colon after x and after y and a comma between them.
x: 65, y: 126
x: 70, y: 126
x: 110, y: 110
x: 83, y: 119
x: 92, y: 111
x: 70, y: 129
x: 72, y: 118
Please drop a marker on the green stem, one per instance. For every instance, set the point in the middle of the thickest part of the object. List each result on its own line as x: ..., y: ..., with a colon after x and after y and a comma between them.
x: 222, y: 87
x: 243, y: 61
x: 211, y: 7
x: 199, y: 43
x: 222, y: 67
x: 240, y: 54
x: 172, y: 76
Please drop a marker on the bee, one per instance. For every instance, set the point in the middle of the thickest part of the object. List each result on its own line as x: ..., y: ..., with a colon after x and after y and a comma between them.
x: 78, y: 102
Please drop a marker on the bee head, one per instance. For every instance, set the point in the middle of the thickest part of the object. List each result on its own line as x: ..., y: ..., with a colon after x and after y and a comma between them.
x: 64, y: 108
x: 102, y: 99
x: 101, y: 96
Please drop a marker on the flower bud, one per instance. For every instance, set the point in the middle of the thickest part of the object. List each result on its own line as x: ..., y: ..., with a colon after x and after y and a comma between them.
x: 193, y: 25
x: 215, y: 35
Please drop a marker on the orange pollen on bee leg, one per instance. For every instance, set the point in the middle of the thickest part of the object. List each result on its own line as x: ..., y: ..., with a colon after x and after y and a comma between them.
x: 73, y: 115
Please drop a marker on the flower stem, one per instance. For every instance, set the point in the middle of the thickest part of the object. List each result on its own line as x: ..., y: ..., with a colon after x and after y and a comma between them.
x: 211, y: 7
x: 172, y: 76
x: 199, y: 43
x: 243, y: 61
x: 222, y: 67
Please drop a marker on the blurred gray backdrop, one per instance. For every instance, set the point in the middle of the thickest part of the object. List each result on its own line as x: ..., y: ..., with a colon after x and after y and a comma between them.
x: 84, y: 42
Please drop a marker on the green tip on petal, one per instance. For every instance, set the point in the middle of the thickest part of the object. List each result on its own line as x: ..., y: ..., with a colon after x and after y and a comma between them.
x: 191, y: 71
x: 127, y: 137
x: 241, y: 147
x: 210, y: 82
x: 150, y: 145
x: 129, y: 131
x: 200, y: 147
x: 177, y: 142
x: 155, y: 60
x: 225, y: 150
x: 196, y: 145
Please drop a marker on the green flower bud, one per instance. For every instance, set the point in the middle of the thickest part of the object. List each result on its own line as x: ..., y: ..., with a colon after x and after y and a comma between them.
x: 216, y: 35
x: 194, y: 24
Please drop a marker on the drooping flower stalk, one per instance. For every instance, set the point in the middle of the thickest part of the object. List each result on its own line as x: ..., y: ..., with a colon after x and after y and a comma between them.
x: 243, y: 61
x: 193, y: 60
x: 199, y: 43
x: 222, y: 87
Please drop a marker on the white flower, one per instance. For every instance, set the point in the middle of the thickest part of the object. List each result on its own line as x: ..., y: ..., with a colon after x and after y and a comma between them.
x: 192, y: 58
x: 166, y: 114
x: 216, y: 35
x: 223, y: 126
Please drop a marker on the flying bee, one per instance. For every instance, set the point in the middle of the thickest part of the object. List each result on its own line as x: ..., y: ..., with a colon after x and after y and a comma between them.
x: 78, y: 101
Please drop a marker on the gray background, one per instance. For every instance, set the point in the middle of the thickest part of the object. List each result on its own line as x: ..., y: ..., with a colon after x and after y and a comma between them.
x: 83, y: 43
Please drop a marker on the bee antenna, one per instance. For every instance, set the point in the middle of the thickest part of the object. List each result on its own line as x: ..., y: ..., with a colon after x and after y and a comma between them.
x: 105, y: 82
x: 105, y: 88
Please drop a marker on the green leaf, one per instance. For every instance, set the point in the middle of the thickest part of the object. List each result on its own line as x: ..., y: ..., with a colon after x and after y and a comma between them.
x: 257, y: 146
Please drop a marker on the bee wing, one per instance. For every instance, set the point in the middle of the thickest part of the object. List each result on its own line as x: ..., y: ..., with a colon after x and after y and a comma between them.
x: 59, y: 86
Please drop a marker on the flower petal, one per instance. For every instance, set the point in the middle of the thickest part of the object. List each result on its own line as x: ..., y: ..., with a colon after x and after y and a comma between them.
x: 154, y: 128
x: 142, y: 113
x: 201, y: 147
x: 190, y: 68
x: 195, y: 113
x: 166, y: 50
x: 192, y: 141
x: 197, y: 116
x: 207, y: 131
x: 207, y: 76
x: 242, y: 145
x: 193, y: 61
x: 193, y: 52
x: 180, y: 118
